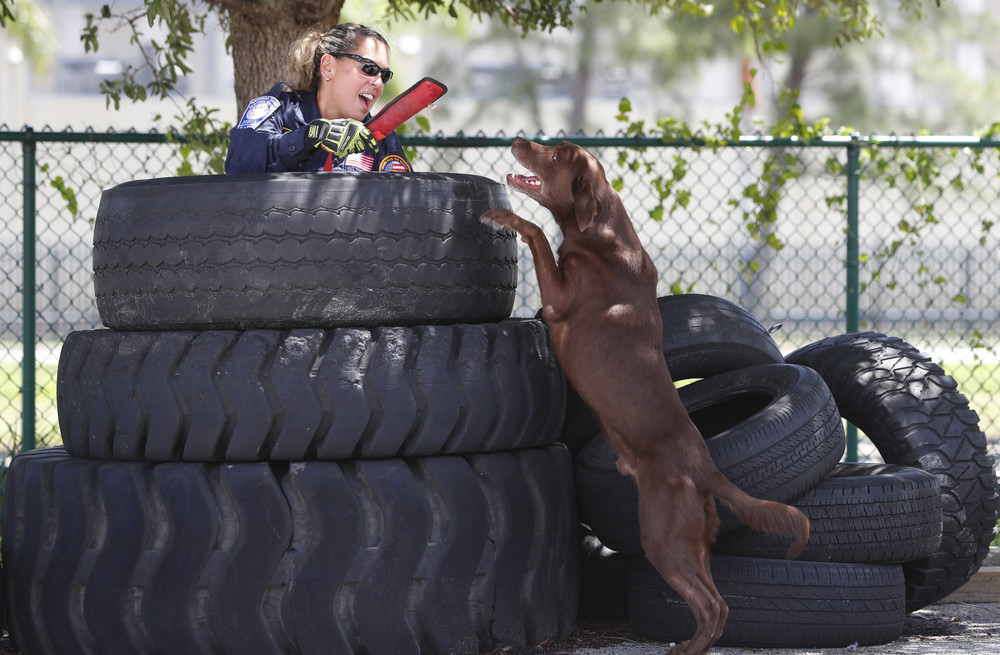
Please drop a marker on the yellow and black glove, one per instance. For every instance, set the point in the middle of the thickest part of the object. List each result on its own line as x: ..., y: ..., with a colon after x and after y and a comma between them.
x: 342, y: 137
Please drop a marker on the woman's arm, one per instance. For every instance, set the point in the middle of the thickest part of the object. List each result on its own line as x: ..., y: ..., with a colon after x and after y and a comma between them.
x: 270, y: 137
x: 266, y: 149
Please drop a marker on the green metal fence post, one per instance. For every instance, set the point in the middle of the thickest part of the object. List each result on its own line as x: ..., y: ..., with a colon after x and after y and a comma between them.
x: 28, y: 298
x: 853, y: 289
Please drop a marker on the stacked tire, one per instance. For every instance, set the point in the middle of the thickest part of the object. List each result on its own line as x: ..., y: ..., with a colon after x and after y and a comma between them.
x: 885, y: 538
x: 311, y: 426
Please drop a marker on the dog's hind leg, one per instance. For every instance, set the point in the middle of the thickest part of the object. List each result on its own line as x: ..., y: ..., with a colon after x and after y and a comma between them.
x: 677, y: 543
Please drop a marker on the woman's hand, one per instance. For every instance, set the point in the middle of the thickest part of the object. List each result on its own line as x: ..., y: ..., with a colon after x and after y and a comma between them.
x: 342, y: 137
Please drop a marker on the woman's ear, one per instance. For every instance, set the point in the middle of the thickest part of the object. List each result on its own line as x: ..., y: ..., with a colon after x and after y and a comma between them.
x: 326, y: 67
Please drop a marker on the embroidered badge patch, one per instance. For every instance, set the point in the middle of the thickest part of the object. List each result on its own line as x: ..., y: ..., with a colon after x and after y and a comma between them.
x: 258, y: 110
x: 394, y: 164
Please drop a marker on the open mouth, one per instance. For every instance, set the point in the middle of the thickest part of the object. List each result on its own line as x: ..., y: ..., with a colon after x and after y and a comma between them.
x: 525, y: 183
x: 367, y: 99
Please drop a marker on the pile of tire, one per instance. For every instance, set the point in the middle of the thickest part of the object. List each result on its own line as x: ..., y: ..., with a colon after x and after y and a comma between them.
x: 886, y: 539
x: 309, y: 426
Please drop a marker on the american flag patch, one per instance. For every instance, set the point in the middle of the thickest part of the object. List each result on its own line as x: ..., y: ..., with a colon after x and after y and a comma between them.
x: 394, y: 164
x: 360, y: 161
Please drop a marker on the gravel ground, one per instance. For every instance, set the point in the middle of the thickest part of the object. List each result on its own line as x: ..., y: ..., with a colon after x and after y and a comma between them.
x: 941, y: 629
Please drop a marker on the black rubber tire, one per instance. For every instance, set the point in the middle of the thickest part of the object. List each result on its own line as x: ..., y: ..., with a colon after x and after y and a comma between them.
x: 914, y: 414
x: 302, y: 250
x: 258, y: 395
x: 706, y: 335
x: 773, y: 430
x: 3, y: 598
x: 860, y: 513
x: 779, y: 603
x: 604, y: 587
x: 702, y: 336
x: 429, y: 555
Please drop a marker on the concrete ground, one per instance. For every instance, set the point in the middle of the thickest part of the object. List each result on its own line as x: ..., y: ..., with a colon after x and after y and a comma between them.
x: 941, y: 629
x: 967, y: 621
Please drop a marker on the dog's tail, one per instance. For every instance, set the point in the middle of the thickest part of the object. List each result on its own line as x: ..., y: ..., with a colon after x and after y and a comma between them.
x: 763, y: 515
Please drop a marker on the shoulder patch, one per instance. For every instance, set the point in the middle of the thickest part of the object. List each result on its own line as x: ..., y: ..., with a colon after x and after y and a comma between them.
x: 258, y: 110
x: 395, y: 164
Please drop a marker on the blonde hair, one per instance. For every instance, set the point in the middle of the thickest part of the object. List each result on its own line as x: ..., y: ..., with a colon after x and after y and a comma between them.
x: 302, y: 70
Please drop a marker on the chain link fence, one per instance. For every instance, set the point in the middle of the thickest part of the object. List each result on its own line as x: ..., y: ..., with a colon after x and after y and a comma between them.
x: 890, y: 235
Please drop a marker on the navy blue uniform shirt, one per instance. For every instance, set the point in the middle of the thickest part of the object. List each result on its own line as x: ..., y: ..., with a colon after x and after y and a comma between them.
x: 271, y: 138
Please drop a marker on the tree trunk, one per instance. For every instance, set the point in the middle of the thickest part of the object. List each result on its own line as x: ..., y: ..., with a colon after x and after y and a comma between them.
x: 584, y: 69
x: 261, y: 32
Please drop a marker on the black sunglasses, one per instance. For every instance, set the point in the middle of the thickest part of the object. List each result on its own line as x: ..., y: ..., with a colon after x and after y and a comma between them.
x: 368, y: 67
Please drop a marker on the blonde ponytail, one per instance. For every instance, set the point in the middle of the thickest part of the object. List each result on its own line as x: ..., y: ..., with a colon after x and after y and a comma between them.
x: 300, y: 70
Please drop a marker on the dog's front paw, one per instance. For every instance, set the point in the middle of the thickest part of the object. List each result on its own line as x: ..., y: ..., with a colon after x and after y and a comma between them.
x: 499, y: 218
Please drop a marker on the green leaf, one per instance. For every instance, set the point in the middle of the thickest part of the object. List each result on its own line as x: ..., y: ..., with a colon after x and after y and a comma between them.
x: 68, y: 194
x: 682, y: 199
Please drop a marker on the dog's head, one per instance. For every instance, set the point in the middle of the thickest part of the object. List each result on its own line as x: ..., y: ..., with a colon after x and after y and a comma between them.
x: 566, y: 180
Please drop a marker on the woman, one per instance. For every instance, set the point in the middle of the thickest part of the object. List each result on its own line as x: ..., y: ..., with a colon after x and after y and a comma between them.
x: 314, y: 121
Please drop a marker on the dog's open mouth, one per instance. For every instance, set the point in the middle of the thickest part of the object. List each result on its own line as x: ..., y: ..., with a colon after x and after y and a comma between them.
x: 528, y: 183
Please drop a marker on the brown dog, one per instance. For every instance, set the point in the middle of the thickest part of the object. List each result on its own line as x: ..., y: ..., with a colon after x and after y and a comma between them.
x: 600, y: 303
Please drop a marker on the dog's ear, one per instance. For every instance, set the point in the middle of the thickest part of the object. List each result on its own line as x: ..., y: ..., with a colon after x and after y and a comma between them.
x: 584, y: 202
